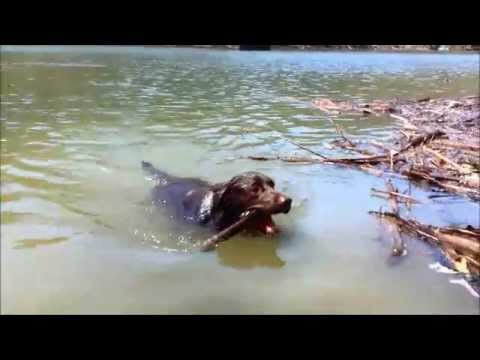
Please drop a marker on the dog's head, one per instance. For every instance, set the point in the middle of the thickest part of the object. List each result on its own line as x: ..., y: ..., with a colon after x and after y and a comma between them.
x: 248, y: 191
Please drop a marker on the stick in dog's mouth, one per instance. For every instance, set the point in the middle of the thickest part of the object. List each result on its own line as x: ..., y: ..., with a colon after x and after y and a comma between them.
x: 263, y: 220
x: 228, y: 232
x: 256, y: 217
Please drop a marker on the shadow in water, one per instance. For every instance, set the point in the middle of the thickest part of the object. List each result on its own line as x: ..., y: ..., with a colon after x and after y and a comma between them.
x: 248, y: 253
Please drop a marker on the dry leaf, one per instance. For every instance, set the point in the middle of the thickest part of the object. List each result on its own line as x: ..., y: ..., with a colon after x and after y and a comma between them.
x: 461, y: 265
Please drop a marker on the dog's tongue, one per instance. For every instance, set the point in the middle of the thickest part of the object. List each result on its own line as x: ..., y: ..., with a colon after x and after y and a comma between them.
x: 269, y: 230
x: 267, y: 226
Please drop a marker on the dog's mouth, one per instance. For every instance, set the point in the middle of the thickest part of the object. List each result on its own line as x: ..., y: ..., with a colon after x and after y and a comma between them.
x: 265, y: 224
x: 263, y: 221
x: 278, y: 208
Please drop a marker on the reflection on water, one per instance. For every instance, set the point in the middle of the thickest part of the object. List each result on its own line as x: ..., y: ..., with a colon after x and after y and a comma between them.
x: 31, y: 243
x: 247, y: 253
x: 77, y: 121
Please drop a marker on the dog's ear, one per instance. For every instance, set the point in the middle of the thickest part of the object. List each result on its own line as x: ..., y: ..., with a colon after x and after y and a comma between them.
x: 218, y: 191
x: 210, y: 204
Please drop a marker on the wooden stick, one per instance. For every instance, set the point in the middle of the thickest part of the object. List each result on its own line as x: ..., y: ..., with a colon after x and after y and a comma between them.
x: 454, y: 188
x: 406, y: 124
x: 371, y: 170
x: 422, y: 139
x: 228, y: 232
x: 380, y: 145
x: 350, y: 148
x: 392, y: 199
x: 263, y: 158
x: 304, y: 148
x: 465, y: 231
x: 461, y: 242
x: 447, y: 160
x: 438, y: 235
x: 393, y: 193
x: 340, y: 131
x: 463, y: 146
x: 408, y: 224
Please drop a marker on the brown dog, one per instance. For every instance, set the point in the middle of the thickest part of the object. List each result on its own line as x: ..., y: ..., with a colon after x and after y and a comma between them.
x: 220, y: 205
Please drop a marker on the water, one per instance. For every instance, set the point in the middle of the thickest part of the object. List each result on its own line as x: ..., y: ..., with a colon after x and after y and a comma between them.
x: 78, y: 235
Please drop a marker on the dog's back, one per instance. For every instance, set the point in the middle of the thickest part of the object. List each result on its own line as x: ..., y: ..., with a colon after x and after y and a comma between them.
x: 181, y: 196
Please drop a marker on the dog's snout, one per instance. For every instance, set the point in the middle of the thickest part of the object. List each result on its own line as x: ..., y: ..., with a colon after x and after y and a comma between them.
x: 285, y: 203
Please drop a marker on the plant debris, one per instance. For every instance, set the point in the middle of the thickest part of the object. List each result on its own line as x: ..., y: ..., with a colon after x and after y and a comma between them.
x: 437, y: 142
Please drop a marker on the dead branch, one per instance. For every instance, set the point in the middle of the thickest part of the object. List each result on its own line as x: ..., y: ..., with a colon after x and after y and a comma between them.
x: 446, y: 160
x: 289, y: 159
x: 463, y: 146
x: 380, y: 145
x: 406, y: 124
x: 402, y: 196
x: 473, y: 193
x: 392, y: 200
x: 423, y: 139
x: 340, y: 132
x: 304, y: 148
x: 456, y: 244
x: 460, y: 241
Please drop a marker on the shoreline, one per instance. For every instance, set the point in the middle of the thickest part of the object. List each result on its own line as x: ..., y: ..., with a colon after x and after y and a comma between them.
x: 416, y: 49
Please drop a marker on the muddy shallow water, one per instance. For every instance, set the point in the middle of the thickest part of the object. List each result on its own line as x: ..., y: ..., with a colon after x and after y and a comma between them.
x: 78, y: 234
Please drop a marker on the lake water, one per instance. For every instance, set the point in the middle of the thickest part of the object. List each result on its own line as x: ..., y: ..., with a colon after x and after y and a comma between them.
x: 78, y: 235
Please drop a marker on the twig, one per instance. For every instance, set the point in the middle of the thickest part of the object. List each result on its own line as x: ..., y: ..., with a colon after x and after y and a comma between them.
x: 263, y: 158
x: 436, y: 234
x: 380, y: 145
x: 392, y: 199
x: 340, y: 132
x: 454, y: 188
x: 394, y: 193
x: 463, y: 146
x: 289, y: 159
x: 459, y: 242
x: 422, y: 139
x: 406, y: 124
x: 447, y: 160
x: 304, y: 148
x: 227, y: 233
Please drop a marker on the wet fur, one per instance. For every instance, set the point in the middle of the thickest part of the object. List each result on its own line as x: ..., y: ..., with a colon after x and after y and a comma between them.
x: 215, y: 205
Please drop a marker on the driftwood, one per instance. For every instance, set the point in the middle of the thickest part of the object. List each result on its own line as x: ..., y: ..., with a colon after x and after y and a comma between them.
x: 400, y: 197
x: 304, y: 147
x: 447, y: 161
x: 472, y: 147
x: 461, y: 246
x: 447, y: 157
x: 399, y: 247
x: 437, y: 142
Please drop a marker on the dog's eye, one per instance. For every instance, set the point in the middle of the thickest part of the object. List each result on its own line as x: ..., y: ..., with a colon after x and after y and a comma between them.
x: 256, y: 188
x: 271, y: 183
